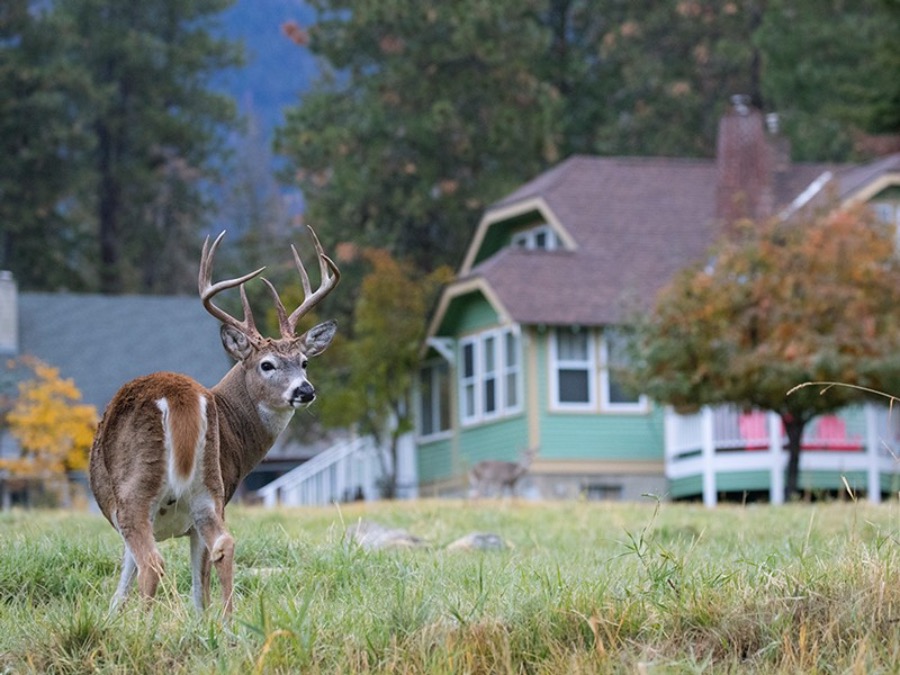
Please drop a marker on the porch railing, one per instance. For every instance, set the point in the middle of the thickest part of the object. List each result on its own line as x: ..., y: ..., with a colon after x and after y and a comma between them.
x: 725, y: 439
x: 344, y: 472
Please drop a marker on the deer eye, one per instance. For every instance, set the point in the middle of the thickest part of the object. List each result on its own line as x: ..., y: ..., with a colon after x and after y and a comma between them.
x: 266, y: 366
x: 304, y: 364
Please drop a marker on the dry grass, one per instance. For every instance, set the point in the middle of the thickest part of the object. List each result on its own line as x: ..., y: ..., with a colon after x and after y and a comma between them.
x: 586, y: 588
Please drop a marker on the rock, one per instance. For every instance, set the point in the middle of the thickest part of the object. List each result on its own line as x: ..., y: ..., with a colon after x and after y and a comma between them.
x: 478, y: 541
x: 372, y: 536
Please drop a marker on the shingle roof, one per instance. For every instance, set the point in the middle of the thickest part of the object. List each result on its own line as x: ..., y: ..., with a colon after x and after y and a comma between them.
x: 636, y: 222
x: 103, y: 341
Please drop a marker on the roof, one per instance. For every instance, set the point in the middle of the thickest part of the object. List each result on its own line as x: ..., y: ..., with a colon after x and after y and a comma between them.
x: 101, y: 342
x: 634, y: 222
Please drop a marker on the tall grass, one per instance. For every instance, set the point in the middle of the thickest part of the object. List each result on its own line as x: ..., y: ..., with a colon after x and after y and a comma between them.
x: 654, y: 588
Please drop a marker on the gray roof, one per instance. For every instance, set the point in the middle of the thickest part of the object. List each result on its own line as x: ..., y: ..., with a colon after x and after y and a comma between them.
x: 101, y: 342
x: 635, y: 223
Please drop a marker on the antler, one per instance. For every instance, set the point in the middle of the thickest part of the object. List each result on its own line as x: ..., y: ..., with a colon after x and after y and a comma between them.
x: 208, y: 290
x: 330, y: 275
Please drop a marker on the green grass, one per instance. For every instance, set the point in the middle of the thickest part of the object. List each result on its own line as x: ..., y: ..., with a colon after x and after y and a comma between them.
x: 584, y: 588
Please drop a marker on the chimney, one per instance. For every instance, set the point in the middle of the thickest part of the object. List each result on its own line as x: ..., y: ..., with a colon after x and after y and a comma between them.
x: 746, y: 163
x: 9, y: 315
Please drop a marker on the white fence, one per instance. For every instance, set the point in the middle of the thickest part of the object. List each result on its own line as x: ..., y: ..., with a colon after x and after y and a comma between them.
x: 348, y: 471
x: 724, y: 439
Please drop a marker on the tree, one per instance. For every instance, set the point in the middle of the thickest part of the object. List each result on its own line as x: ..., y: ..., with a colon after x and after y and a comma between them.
x: 827, y: 66
x: 54, y: 430
x: 376, y: 366
x: 425, y: 113
x: 778, y: 304
x: 40, y: 139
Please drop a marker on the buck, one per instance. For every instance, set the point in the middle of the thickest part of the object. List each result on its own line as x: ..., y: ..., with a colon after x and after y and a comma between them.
x: 169, y: 453
x: 503, y: 475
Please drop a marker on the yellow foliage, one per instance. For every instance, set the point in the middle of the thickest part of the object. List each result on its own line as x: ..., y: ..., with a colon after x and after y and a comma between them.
x: 54, y: 430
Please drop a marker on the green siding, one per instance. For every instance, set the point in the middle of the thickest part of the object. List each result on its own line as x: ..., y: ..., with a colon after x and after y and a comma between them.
x: 467, y: 314
x: 594, y: 435
x: 686, y: 487
x: 738, y: 481
x: 502, y: 439
x: 831, y: 480
x: 435, y: 460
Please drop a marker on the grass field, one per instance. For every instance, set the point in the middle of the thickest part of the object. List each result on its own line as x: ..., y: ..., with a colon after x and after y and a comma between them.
x: 584, y: 588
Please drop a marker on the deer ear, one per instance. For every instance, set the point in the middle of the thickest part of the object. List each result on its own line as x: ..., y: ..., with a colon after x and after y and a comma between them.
x: 316, y: 339
x: 235, y: 342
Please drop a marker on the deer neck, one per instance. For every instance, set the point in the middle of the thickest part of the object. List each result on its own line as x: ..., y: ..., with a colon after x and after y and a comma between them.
x: 247, y: 429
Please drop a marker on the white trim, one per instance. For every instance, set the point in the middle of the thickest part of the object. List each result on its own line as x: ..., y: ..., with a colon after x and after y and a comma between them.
x: 459, y: 289
x: 806, y: 196
x: 589, y: 366
x: 474, y: 386
x: 504, y: 213
x: 641, y: 405
x: 869, y: 190
x: 432, y: 367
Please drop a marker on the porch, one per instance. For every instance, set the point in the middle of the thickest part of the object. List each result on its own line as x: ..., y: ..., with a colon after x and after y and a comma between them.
x: 724, y: 449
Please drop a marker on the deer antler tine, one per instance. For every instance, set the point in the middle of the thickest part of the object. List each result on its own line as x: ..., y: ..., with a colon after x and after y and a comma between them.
x: 248, y: 313
x: 279, y: 308
x: 209, y: 290
x: 304, y: 277
x: 330, y: 275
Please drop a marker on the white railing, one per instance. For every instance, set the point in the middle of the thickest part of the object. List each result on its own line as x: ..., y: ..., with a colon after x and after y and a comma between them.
x: 344, y: 472
x: 725, y: 439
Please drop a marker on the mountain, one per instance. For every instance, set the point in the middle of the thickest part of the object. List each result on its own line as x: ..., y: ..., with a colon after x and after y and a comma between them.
x: 277, y: 71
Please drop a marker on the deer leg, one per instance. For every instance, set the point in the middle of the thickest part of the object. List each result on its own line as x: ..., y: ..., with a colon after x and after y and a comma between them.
x: 200, y: 565
x: 220, y: 549
x: 140, y: 544
x: 129, y: 571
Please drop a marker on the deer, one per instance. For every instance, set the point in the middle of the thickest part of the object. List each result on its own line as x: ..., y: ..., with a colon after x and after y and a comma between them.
x: 505, y: 475
x: 169, y: 453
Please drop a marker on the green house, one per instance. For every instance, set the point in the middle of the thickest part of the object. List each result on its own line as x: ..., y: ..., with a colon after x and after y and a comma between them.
x: 523, y: 348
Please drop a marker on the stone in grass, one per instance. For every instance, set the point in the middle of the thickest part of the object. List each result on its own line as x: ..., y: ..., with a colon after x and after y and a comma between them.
x: 372, y: 536
x: 478, y: 541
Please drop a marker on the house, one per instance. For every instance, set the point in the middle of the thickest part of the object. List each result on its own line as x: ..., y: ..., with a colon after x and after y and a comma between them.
x: 101, y: 342
x: 521, y: 348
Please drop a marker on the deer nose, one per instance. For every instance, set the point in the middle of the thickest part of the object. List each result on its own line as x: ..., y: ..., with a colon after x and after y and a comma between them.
x: 304, y: 393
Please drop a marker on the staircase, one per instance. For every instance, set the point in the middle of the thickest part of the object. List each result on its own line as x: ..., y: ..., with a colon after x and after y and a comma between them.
x: 344, y: 472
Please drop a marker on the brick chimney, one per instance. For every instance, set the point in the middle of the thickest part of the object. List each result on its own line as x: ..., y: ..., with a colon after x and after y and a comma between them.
x: 746, y: 163
x: 9, y: 315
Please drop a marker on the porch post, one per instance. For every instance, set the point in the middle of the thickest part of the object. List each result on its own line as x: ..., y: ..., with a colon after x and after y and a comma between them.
x: 708, y: 455
x: 873, y: 475
x: 776, y: 460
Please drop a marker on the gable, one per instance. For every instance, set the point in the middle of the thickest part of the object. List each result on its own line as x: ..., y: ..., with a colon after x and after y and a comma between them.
x: 499, y: 225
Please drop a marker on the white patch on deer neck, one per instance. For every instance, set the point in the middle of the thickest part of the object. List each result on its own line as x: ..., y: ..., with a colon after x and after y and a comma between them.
x: 274, y: 419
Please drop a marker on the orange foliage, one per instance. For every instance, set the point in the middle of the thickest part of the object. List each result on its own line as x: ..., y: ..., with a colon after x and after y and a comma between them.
x: 54, y: 430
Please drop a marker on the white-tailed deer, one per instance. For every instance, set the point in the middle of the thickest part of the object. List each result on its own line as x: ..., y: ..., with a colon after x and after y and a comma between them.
x: 170, y: 453
x: 503, y: 475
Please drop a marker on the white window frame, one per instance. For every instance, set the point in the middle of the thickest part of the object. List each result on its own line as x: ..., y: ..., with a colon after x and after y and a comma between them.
x: 477, y: 382
x: 639, y: 406
x: 433, y: 369
x: 528, y: 239
x: 589, y: 365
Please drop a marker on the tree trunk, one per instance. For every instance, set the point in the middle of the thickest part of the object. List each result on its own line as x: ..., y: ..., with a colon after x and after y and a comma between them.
x: 794, y: 427
x: 108, y: 215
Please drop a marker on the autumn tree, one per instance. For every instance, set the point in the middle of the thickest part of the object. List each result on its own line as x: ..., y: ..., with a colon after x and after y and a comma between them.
x: 53, y: 428
x: 374, y: 368
x: 776, y: 305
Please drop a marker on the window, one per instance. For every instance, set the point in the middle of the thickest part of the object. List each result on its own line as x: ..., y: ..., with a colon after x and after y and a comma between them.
x: 541, y: 238
x: 572, y: 363
x: 615, y: 394
x: 434, y: 398
x: 489, y: 375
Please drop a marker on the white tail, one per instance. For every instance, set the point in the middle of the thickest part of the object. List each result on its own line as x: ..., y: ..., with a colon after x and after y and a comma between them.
x: 501, y: 475
x: 170, y: 453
